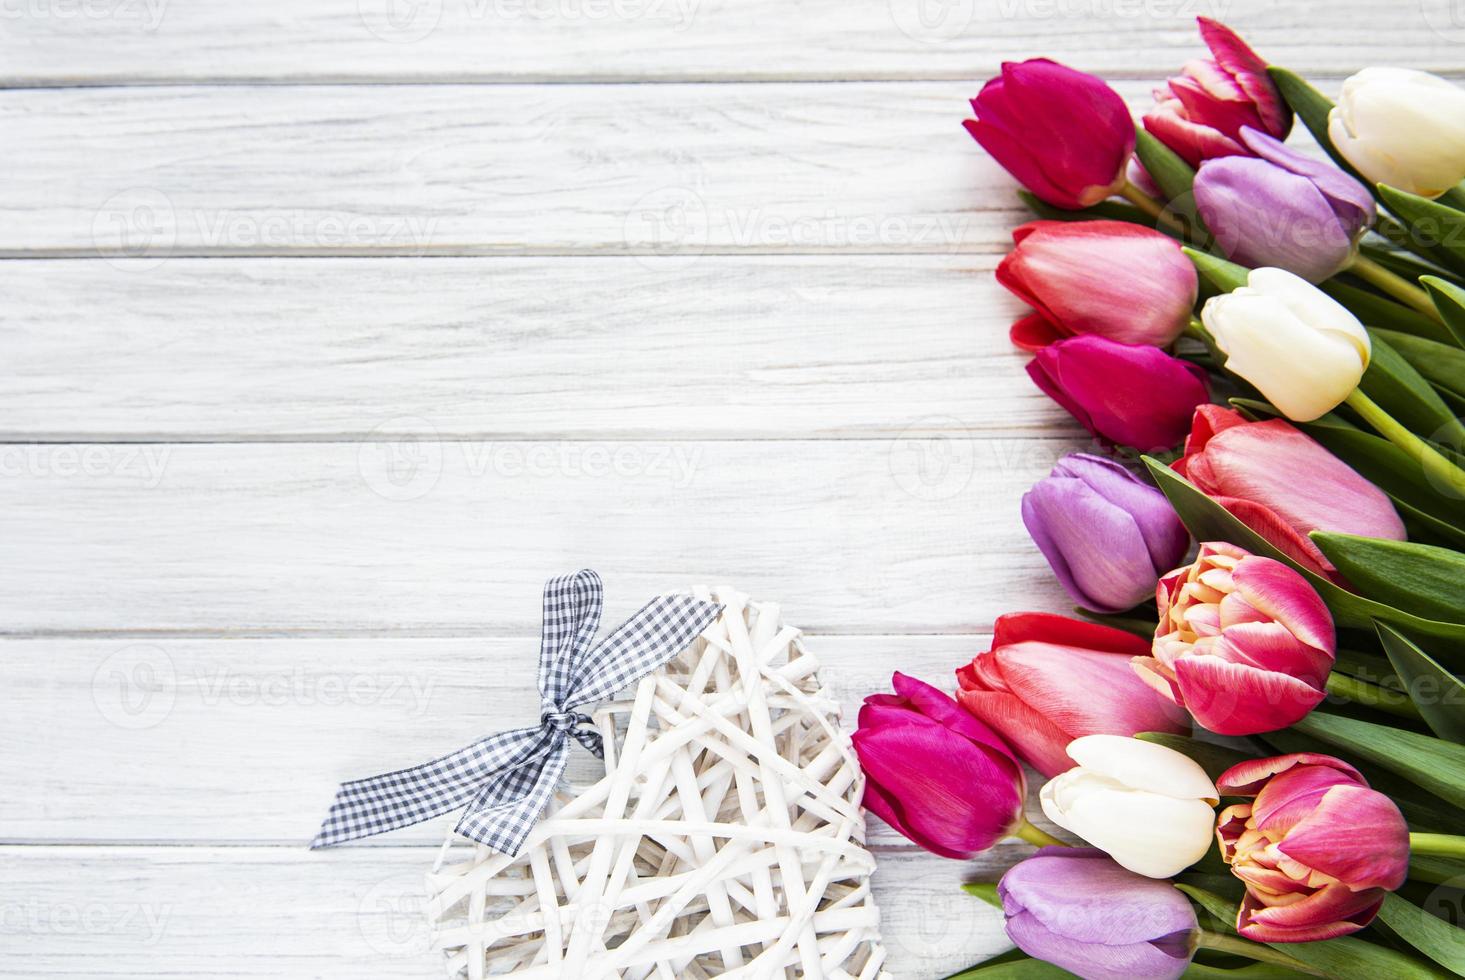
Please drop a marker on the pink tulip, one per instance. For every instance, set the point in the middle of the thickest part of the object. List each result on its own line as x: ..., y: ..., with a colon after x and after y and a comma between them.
x: 1128, y: 395
x: 1282, y: 484
x: 1112, y: 278
x: 1049, y: 679
x: 1244, y: 642
x: 1066, y: 135
x: 1200, y: 113
x: 1318, y: 849
x: 935, y: 773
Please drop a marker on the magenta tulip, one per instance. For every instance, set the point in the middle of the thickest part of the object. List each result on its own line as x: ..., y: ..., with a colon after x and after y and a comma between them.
x: 1135, y: 396
x: 1200, y: 113
x: 1067, y: 136
x: 1112, y: 278
x: 1283, y: 209
x: 1037, y: 687
x: 1282, y: 484
x: 1318, y: 849
x: 1076, y: 908
x: 1244, y: 643
x: 935, y: 773
x: 1107, y: 534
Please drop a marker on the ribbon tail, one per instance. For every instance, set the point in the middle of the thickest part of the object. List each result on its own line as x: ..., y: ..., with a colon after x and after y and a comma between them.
x: 503, y: 815
x: 654, y: 635
x: 377, y: 804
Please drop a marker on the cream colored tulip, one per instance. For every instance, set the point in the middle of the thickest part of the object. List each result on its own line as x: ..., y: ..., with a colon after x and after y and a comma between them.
x: 1149, y: 807
x: 1302, y: 349
x: 1403, y: 128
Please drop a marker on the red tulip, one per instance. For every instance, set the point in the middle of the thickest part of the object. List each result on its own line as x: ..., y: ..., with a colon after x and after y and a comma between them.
x: 1130, y: 395
x: 1200, y: 113
x: 1049, y: 679
x: 935, y: 773
x: 1282, y: 484
x: 1318, y: 849
x: 1066, y: 135
x: 1112, y: 278
x: 1244, y: 642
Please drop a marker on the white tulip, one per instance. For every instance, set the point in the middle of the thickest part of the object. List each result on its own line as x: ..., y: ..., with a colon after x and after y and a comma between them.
x: 1301, y: 348
x: 1403, y: 128
x: 1149, y: 807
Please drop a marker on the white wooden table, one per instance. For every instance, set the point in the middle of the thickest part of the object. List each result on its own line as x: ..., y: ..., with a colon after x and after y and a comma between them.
x: 330, y: 329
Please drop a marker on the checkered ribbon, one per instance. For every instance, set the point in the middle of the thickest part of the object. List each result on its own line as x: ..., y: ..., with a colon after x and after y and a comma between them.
x: 506, y: 780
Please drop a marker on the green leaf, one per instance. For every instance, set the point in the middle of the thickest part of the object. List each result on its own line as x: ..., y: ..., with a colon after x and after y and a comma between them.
x: 1012, y: 965
x: 985, y: 890
x: 1438, y: 694
x: 1312, y: 107
x: 1442, y: 365
x: 1449, y: 301
x: 1404, y: 393
x: 1345, y: 958
x: 1433, y: 226
x: 1214, y: 759
x: 1108, y: 210
x: 1251, y: 971
x: 1417, y: 578
x: 1435, y: 870
x: 1431, y: 935
x: 1175, y: 178
x: 1431, y: 763
x: 1209, y: 521
x: 1378, y: 311
x: 1226, y: 275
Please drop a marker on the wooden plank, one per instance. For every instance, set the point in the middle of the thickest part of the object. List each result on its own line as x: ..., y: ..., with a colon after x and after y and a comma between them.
x: 120, y: 41
x: 618, y: 348
x: 906, y: 535
x: 669, y: 170
x: 288, y: 912
x: 244, y: 740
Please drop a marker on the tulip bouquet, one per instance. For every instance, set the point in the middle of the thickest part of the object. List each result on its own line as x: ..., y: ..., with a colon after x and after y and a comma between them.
x: 1253, y: 743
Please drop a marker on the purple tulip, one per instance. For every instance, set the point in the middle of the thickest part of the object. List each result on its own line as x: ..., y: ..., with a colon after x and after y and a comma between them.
x: 1077, y: 909
x: 1130, y: 395
x: 1108, y: 535
x: 1283, y: 209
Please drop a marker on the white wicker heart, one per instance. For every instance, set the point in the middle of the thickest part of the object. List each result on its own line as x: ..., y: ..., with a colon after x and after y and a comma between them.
x: 725, y: 839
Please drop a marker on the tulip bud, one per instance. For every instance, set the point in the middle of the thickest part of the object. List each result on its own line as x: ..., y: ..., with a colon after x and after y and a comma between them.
x: 1149, y: 807
x: 1201, y: 113
x: 1080, y: 277
x: 1075, y: 908
x: 1108, y: 534
x: 1302, y: 349
x: 1251, y: 469
x: 936, y: 774
x: 1281, y: 208
x: 1244, y: 643
x: 1066, y: 135
x: 1403, y: 128
x: 1130, y: 395
x: 1036, y: 687
x: 1318, y: 849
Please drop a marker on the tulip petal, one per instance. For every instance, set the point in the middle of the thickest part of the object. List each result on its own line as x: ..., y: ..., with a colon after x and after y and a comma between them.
x: 1237, y: 699
x: 1059, y: 683
x: 939, y: 706
x: 885, y: 806
x: 1285, y: 596
x: 1081, y: 894
x: 1290, y: 797
x: 1178, y: 832
x: 1034, y: 332
x: 1039, y: 742
x: 1356, y: 835
x: 1095, y: 961
x: 1247, y: 778
x: 1272, y: 647
x: 1164, y: 535
x: 1144, y: 766
x: 1326, y: 914
x: 1112, y: 570
x: 1249, y: 71
x: 1066, y: 631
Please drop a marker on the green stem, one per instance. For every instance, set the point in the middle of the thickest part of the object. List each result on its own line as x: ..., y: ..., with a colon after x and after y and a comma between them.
x: 1439, y: 469
x: 1152, y: 207
x: 1437, y: 845
x: 1395, y: 285
x: 1362, y: 692
x: 1254, y: 951
x: 1036, y: 837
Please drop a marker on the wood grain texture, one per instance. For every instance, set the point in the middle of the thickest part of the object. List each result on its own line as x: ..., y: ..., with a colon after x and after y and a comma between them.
x: 904, y: 535
x: 288, y: 912
x: 617, y: 348
x: 244, y: 740
x: 131, y: 41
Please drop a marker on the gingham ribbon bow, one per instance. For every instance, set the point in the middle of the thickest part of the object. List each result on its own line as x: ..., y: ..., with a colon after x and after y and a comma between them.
x: 506, y: 780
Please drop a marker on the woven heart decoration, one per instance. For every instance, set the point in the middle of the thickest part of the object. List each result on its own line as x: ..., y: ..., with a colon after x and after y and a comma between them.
x: 726, y: 837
